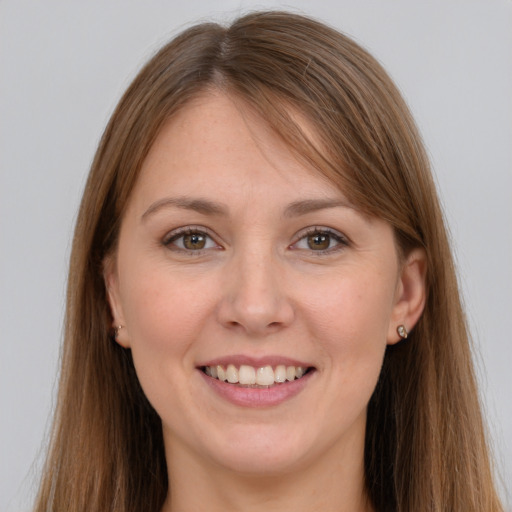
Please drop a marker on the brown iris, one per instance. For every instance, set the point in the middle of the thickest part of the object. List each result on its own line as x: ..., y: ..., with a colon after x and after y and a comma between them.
x: 319, y: 241
x: 194, y: 241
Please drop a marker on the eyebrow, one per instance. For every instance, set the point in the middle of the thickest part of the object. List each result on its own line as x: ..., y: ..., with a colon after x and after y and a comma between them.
x: 203, y: 206
x: 207, y: 207
x: 306, y: 206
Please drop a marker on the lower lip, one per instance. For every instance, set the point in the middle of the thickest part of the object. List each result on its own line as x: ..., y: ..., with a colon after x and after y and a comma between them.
x: 257, y: 397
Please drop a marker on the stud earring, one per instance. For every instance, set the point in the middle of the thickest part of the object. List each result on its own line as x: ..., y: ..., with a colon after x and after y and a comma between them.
x: 116, y: 331
x: 402, y: 331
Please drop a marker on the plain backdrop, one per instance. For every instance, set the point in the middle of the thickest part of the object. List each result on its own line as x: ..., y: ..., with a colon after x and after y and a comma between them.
x: 64, y: 65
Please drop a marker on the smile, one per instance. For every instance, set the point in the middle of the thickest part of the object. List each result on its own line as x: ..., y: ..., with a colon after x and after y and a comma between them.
x: 255, y: 377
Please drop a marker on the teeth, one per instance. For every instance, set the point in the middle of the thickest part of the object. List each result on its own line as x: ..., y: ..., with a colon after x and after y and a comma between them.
x: 265, y: 376
x: 221, y: 374
x: 249, y: 376
x: 232, y: 374
x: 290, y: 373
x: 280, y: 373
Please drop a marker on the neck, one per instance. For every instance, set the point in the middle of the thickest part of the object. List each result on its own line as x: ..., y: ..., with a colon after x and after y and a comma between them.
x: 335, y: 484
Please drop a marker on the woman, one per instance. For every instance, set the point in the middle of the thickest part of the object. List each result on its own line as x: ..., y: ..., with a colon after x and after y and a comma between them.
x: 262, y: 306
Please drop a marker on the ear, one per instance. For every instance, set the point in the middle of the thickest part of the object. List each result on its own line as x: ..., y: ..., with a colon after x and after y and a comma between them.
x: 410, y: 294
x: 113, y: 296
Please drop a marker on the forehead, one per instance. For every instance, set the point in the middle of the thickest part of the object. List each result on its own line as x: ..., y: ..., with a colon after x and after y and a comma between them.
x: 219, y: 145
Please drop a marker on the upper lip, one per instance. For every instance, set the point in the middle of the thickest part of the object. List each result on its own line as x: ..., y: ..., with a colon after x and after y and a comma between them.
x: 256, y: 362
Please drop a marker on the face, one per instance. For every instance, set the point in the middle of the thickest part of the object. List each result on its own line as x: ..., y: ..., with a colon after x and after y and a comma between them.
x: 256, y: 300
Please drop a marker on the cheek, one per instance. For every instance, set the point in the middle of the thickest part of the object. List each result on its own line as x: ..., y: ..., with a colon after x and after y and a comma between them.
x: 355, y: 309
x: 164, y: 319
x: 163, y: 313
x: 350, y: 324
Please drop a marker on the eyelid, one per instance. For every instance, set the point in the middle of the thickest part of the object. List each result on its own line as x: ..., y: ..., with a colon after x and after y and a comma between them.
x: 343, y: 240
x: 177, y: 233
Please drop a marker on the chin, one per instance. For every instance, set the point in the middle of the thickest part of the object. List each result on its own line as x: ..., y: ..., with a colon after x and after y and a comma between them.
x: 262, y: 451
x: 255, y: 463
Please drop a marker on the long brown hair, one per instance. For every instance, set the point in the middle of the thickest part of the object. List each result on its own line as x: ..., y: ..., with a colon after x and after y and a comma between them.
x: 425, y: 444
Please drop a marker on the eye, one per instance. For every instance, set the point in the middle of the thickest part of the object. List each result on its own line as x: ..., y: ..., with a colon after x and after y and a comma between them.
x: 321, y: 240
x: 190, y: 239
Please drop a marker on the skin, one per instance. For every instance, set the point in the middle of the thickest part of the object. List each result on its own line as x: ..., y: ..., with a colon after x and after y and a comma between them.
x: 256, y: 289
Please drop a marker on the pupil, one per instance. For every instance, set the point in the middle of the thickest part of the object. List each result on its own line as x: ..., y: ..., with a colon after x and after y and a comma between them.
x: 318, y: 241
x: 194, y: 241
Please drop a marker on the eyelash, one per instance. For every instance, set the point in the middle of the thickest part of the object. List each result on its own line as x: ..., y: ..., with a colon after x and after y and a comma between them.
x: 342, y: 241
x: 170, y: 240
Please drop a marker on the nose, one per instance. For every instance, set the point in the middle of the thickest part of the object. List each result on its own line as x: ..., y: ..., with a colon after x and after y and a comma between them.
x: 254, y: 296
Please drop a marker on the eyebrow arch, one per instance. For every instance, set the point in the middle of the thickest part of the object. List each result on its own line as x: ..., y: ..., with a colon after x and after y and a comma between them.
x: 203, y: 206
x: 306, y: 206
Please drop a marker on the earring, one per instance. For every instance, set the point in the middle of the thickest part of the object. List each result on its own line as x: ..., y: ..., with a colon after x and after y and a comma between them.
x: 402, y: 331
x: 116, y: 331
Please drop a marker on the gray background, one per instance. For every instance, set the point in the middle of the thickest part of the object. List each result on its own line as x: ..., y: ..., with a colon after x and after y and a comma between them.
x: 63, y: 66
